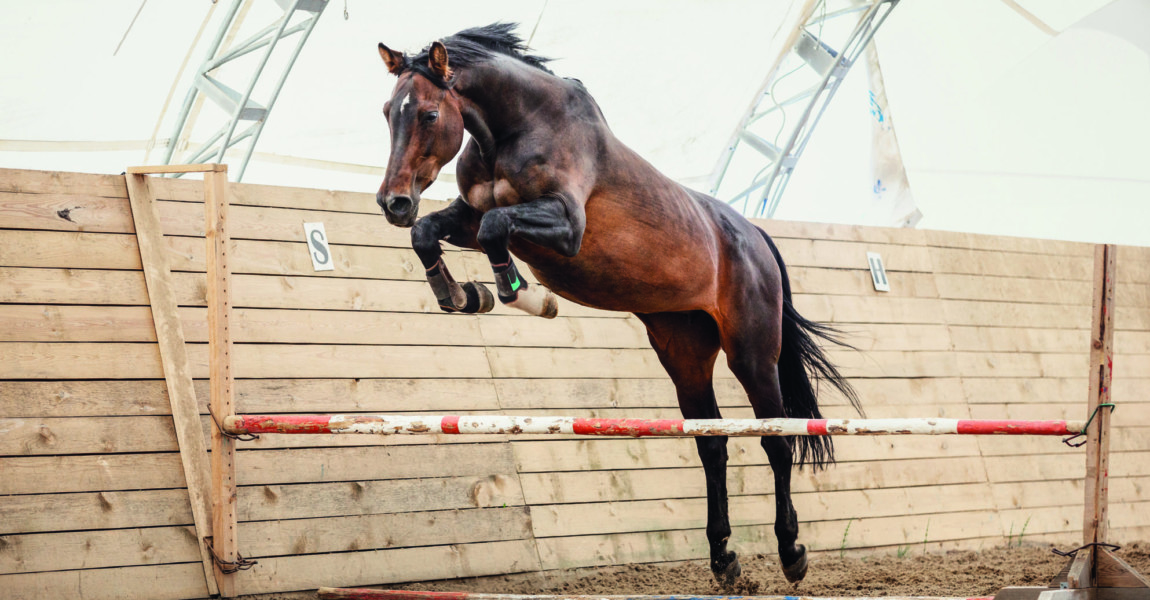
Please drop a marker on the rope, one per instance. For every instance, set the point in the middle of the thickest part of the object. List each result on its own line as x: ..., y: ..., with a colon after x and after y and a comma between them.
x: 1069, y: 441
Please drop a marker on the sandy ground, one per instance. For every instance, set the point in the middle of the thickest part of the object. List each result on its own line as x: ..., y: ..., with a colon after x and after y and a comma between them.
x: 963, y: 574
x: 956, y: 574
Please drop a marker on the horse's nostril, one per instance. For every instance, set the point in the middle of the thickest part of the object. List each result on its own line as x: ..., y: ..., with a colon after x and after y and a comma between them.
x: 380, y: 200
x: 399, y: 205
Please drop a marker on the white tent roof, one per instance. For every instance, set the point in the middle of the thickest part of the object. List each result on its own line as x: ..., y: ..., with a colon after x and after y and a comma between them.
x: 1006, y: 126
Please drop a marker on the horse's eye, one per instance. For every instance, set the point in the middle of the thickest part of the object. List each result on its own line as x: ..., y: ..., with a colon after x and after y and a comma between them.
x: 430, y: 117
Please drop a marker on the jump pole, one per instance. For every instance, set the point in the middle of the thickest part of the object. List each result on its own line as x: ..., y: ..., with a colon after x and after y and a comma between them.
x: 370, y: 594
x: 506, y: 424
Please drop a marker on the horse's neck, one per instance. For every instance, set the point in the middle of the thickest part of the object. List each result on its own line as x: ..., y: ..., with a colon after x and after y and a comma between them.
x: 489, y: 117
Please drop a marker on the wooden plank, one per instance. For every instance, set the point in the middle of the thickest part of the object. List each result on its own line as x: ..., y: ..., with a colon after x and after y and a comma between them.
x: 225, y: 543
x: 78, y: 360
x: 1011, y: 364
x: 1100, y: 369
x: 978, y: 241
x: 86, y: 212
x: 691, y: 513
x: 852, y: 255
x: 266, y: 467
x: 1009, y: 264
x: 91, y: 473
x: 1019, y: 289
x: 594, y: 363
x: 96, y: 510
x: 92, y: 435
x: 1018, y: 339
x: 287, y: 573
x: 1007, y: 314
x: 1038, y: 494
x: 173, y: 355
x: 843, y: 232
x: 593, y: 455
x: 44, y: 510
x: 314, y: 500
x: 530, y: 331
x: 248, y: 194
x: 1134, y: 261
x: 286, y: 225
x: 659, y: 546
x: 857, y: 282
x: 1023, y: 390
x: 48, y: 399
x: 379, y: 531
x: 65, y: 212
x: 61, y: 182
x: 869, y: 309
x: 152, y: 582
x: 72, y: 250
x: 160, y: 169
x: 1113, y: 572
x: 84, y: 286
x: 70, y: 550
x: 98, y: 549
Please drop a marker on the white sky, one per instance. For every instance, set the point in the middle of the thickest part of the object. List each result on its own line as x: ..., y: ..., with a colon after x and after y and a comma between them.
x: 1004, y: 128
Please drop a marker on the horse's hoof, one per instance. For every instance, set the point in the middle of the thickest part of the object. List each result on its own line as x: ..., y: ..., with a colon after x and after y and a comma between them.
x: 550, y: 305
x: 479, y: 298
x: 796, y: 571
x: 726, y: 574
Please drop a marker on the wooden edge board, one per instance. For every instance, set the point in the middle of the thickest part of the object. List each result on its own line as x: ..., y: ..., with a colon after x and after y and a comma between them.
x: 177, y: 372
x: 162, y: 169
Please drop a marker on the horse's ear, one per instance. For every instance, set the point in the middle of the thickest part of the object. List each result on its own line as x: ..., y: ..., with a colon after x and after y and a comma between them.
x: 395, y: 61
x: 437, y: 60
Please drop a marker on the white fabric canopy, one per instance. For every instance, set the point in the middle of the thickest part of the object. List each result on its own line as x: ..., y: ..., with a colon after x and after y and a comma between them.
x: 1005, y: 126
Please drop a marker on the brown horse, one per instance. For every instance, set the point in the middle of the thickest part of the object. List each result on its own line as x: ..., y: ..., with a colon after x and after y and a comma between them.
x: 544, y: 178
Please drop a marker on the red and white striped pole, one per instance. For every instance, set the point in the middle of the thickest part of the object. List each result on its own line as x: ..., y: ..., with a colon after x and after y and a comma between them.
x: 502, y: 424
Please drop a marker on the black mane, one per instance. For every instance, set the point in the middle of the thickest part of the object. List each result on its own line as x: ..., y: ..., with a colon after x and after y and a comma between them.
x: 476, y: 45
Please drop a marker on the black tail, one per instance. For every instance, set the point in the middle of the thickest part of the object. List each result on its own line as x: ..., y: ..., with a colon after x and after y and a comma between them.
x: 801, y: 360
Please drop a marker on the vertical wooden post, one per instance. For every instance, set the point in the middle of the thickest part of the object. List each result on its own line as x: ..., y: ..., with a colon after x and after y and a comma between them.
x: 1094, y: 526
x: 222, y: 390
x: 174, y: 357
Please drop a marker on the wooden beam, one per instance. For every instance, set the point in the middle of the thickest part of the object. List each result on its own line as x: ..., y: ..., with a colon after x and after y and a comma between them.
x: 163, y: 169
x: 174, y: 357
x: 1101, y: 366
x: 222, y: 386
x: 1113, y: 572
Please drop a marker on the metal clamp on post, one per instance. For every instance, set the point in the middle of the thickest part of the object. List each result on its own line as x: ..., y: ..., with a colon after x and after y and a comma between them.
x: 228, y: 567
x: 1074, y: 552
x: 1069, y: 441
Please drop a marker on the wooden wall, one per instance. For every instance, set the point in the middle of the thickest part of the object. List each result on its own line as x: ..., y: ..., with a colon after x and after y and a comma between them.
x: 92, y: 497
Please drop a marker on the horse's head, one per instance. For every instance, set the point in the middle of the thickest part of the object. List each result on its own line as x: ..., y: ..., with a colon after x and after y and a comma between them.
x: 426, y: 131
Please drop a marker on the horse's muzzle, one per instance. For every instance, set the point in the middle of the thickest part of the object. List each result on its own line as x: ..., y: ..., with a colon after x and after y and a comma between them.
x: 400, y: 211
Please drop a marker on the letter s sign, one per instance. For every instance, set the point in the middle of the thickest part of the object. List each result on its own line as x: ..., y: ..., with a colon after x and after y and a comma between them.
x: 317, y: 247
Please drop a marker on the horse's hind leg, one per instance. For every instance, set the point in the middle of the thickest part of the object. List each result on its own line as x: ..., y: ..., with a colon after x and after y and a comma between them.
x: 751, y: 334
x: 687, y: 345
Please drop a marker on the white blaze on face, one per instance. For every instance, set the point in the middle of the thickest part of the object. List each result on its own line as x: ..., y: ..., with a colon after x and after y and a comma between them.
x: 406, y: 101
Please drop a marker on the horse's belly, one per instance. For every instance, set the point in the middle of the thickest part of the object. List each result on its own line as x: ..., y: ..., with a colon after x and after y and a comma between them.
x: 623, y: 278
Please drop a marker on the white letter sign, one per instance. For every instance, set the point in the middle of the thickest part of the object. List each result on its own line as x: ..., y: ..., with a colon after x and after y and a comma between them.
x: 317, y: 247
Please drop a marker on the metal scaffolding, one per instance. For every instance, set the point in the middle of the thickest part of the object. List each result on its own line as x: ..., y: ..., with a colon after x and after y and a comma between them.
x: 239, y: 103
x: 808, y: 43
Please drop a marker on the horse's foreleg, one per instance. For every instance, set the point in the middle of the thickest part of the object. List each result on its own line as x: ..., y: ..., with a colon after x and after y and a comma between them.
x: 456, y: 224
x: 546, y: 222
